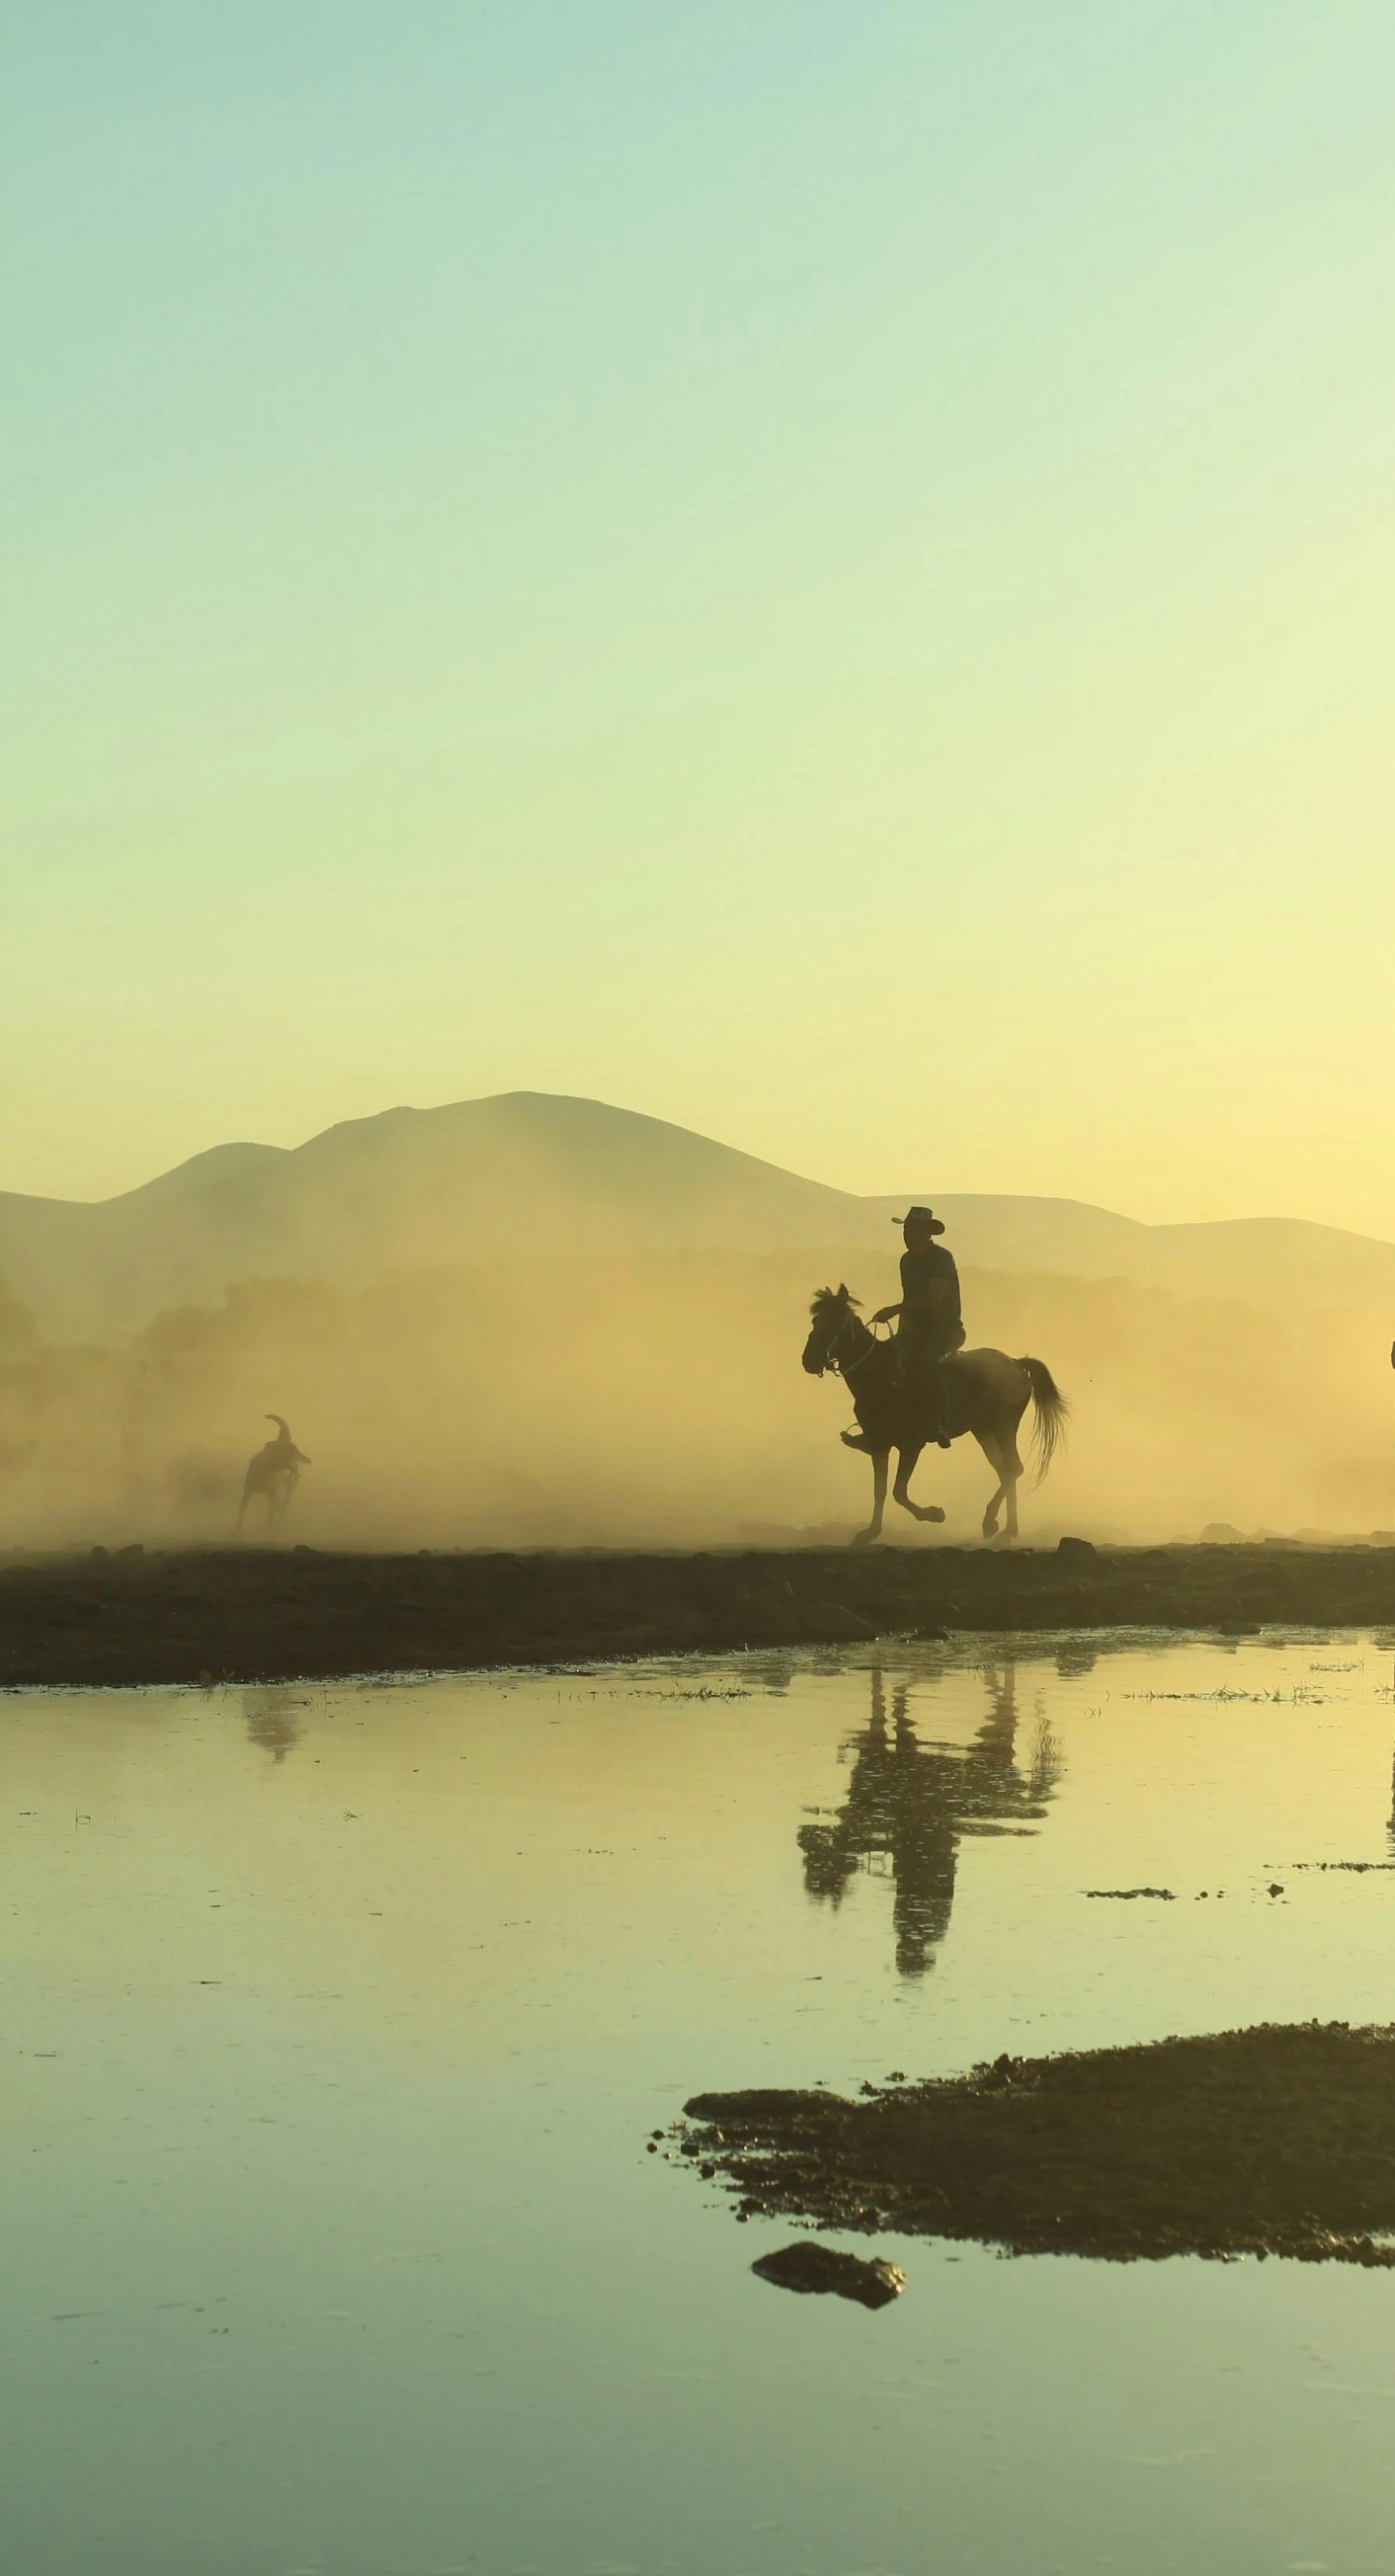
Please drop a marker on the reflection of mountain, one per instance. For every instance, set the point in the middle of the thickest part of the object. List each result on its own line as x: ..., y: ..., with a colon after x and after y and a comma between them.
x: 272, y: 1721
x: 909, y: 1804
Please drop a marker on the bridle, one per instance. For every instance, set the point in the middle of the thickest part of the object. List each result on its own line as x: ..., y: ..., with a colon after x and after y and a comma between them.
x: 848, y: 1368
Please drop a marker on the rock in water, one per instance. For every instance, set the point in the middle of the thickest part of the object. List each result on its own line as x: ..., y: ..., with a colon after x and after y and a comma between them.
x: 818, y: 2267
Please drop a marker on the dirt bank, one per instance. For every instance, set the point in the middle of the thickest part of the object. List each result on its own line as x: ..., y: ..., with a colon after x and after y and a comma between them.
x: 256, y: 1614
x: 1268, y: 2141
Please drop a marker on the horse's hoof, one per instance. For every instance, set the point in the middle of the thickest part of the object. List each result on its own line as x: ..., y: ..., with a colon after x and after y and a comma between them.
x: 933, y: 1512
x: 864, y: 1538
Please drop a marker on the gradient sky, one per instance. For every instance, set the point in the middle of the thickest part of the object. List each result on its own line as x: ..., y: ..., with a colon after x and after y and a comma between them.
x: 823, y: 571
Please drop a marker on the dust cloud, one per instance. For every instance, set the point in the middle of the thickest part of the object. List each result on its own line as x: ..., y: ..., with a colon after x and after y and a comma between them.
x: 653, y: 1399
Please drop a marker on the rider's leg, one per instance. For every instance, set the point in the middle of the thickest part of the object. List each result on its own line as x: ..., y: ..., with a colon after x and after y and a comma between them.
x: 941, y: 1399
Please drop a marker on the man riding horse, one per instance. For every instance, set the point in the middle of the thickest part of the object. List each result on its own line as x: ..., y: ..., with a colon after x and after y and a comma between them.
x: 929, y: 1322
x: 925, y: 1386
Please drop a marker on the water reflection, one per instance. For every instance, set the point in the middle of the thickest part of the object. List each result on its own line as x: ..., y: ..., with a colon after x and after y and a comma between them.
x: 273, y: 1719
x: 908, y: 1805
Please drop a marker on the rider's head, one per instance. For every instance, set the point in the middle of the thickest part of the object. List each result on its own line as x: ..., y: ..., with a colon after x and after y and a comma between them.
x: 919, y: 1225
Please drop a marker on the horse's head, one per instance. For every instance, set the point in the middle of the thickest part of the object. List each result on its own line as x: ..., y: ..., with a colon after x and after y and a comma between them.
x: 831, y: 1312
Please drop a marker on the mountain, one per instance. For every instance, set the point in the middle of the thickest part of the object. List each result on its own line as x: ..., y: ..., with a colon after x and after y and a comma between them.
x: 547, y: 1179
x: 526, y: 1173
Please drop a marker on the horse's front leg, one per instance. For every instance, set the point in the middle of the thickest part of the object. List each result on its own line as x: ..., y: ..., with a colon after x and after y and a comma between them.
x: 864, y: 1538
x: 908, y: 1459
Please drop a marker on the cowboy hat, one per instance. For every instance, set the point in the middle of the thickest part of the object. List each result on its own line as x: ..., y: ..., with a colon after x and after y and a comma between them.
x: 920, y: 1216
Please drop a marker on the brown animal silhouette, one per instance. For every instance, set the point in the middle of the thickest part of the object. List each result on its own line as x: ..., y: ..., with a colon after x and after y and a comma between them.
x: 984, y: 1392
x: 274, y: 1473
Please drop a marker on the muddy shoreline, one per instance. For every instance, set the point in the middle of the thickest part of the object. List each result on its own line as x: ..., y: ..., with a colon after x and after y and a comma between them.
x: 1274, y: 2140
x: 260, y: 1614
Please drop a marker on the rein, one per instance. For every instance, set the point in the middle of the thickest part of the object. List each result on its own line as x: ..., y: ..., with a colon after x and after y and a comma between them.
x: 848, y: 1368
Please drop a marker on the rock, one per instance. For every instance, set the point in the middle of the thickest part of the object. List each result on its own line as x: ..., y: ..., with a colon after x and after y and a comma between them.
x: 812, y: 2267
x: 1076, y: 1551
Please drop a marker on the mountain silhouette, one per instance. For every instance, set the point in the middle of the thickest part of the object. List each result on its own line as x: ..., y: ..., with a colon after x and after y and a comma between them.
x: 533, y: 1173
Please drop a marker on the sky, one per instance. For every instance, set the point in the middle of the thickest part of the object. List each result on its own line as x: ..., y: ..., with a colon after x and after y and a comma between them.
x: 824, y: 572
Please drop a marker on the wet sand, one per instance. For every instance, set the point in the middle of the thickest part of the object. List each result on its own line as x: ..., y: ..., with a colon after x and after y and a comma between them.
x: 263, y: 1614
x: 1267, y: 2141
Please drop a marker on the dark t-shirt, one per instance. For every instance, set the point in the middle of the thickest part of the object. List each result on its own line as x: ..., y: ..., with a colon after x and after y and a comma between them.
x: 918, y: 1269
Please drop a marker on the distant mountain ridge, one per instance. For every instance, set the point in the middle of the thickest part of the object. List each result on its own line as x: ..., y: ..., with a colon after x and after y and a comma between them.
x: 541, y: 1175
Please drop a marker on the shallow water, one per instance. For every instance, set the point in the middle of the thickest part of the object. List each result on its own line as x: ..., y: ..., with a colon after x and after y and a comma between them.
x: 335, y: 2024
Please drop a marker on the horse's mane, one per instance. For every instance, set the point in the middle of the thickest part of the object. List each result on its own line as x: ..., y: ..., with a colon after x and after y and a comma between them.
x: 823, y: 1298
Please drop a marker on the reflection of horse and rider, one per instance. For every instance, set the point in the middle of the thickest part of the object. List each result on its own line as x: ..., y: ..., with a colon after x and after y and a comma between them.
x: 923, y: 1387
x: 912, y: 1803
x: 272, y: 1712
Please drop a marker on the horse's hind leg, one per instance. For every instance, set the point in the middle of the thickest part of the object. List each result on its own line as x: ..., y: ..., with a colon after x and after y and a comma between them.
x: 873, y: 1530
x: 988, y: 1443
x: 1012, y: 1471
x: 907, y: 1460
x: 1010, y: 1468
x: 1000, y: 1449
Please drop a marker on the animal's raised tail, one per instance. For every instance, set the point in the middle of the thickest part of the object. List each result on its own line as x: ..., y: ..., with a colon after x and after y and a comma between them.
x: 1049, y: 1428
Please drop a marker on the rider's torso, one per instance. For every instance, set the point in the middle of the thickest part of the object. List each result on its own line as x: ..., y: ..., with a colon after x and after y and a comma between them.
x: 918, y: 1271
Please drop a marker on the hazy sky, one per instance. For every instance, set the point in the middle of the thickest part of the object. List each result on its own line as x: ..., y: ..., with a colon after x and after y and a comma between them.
x: 823, y: 571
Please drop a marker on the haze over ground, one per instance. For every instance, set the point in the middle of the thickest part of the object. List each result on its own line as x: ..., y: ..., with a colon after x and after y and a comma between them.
x: 535, y: 1320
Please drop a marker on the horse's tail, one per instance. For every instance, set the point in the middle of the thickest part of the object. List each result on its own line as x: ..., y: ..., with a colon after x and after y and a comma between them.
x: 1049, y: 1429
